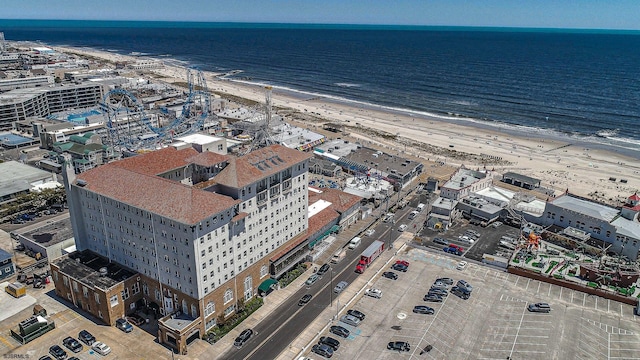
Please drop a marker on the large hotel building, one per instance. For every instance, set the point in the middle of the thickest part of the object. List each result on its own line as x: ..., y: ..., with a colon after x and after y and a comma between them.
x: 187, y: 229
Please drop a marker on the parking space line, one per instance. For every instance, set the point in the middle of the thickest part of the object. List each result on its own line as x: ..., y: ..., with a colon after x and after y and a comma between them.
x: 549, y: 294
x: 584, y: 298
x: 539, y: 284
x: 516, y: 339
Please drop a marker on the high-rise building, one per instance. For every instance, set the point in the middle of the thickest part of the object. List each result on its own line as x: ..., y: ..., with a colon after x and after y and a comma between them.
x: 185, y: 230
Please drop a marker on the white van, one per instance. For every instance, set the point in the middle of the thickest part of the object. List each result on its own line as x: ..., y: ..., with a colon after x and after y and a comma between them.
x: 421, y: 206
x: 338, y: 256
x: 354, y: 243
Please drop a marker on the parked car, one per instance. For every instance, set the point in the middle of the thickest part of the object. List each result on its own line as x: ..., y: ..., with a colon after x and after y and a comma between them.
x: 461, y: 265
x: 497, y: 224
x: 86, y: 337
x: 399, y: 346
x: 399, y: 267
x: 350, y: 320
x: 57, y: 352
x: 46, y: 357
x: 403, y: 262
x: 464, y: 284
x: 360, y: 315
x: 439, y: 285
x: 304, y: 299
x: 390, y: 275
x: 328, y: 340
x: 124, y: 325
x: 341, y: 286
x: 413, y: 214
x: 322, y: 350
x: 101, y: 348
x: 312, y: 279
x: 439, y: 292
x: 374, y: 293
x: 370, y: 232
x: 440, y: 241
x: 461, y: 292
x: 421, y: 309
x: 451, y: 250
x: 432, y: 297
x: 388, y: 217
x: 340, y: 331
x: 244, y: 336
x: 402, y: 227
x: 323, y: 269
x: 72, y: 344
x: 539, y: 307
x: 446, y: 280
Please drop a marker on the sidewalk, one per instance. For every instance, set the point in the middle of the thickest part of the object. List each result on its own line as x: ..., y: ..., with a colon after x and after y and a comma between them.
x: 353, y: 292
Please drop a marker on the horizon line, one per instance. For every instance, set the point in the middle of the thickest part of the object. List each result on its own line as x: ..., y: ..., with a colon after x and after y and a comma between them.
x: 336, y: 25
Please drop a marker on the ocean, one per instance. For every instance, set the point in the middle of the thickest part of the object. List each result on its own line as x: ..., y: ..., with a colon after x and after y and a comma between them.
x: 582, y: 86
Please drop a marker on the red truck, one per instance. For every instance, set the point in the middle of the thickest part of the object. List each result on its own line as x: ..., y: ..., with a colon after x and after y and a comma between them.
x: 369, y: 255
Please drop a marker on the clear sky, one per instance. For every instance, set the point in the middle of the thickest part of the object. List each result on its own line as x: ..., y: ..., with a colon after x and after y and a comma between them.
x: 590, y: 14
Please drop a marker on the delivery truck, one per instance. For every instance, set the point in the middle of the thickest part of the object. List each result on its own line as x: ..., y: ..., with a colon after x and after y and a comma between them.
x: 369, y: 255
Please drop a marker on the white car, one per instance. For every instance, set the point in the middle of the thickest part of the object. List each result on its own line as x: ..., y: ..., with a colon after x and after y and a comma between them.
x: 402, y: 227
x: 374, y: 293
x: 312, y: 279
x: 461, y: 265
x: 101, y: 348
x: 370, y: 232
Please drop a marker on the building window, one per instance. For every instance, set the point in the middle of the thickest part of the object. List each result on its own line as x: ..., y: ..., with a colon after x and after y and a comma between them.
x: 85, y: 291
x: 210, y: 309
x: 96, y: 297
x: 248, y: 288
x: 228, y: 311
x: 228, y: 296
x: 263, y: 271
x: 194, y: 311
x: 113, y: 300
x: 135, y: 288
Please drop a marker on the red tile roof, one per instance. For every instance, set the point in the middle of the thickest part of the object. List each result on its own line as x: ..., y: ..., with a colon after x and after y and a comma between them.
x: 340, y: 200
x: 157, y: 162
x: 167, y: 198
x: 634, y: 197
x: 259, y: 164
x: 208, y: 158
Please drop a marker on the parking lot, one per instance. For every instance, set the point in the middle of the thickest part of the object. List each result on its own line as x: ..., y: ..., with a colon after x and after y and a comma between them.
x: 487, y: 243
x: 492, y: 324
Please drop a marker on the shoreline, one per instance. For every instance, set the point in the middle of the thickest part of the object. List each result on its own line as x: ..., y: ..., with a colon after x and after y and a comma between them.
x: 559, y: 162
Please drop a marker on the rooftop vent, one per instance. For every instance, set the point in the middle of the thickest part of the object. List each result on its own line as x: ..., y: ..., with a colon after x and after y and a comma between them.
x: 103, y: 271
x: 81, y: 182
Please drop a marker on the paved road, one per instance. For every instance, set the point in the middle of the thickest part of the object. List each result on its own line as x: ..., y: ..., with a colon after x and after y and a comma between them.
x: 281, y: 327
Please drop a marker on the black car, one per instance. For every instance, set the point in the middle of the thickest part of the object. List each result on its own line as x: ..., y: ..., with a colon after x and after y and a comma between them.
x: 72, y: 344
x: 304, y: 299
x: 399, y: 346
x: 460, y: 292
x: 243, y: 337
x: 356, y: 313
x: 340, y: 331
x: 322, y: 350
x: 86, y: 337
x: 58, y: 352
x: 399, y: 267
x: 73, y: 358
x: 390, y: 275
x: 432, y: 297
x: 323, y: 269
x: 448, y: 281
x: 328, y: 340
x: 46, y: 357
x: 439, y: 292
x: 421, y: 309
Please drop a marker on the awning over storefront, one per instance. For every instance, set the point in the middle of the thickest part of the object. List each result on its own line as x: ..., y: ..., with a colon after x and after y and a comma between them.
x: 266, y: 286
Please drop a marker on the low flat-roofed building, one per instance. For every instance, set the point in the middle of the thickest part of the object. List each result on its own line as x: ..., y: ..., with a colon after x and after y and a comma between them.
x: 96, y: 285
x: 520, y: 180
x: 49, y: 240
x: 464, y: 182
x: 598, y: 220
x: 17, y: 178
x: 7, y: 268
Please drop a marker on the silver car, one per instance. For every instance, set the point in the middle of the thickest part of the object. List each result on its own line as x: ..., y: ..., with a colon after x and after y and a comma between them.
x: 350, y: 320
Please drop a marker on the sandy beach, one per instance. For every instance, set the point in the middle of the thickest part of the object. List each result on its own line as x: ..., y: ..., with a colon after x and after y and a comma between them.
x: 560, y: 165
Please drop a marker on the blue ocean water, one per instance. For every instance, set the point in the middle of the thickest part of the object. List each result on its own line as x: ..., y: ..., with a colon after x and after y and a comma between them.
x: 584, y: 85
